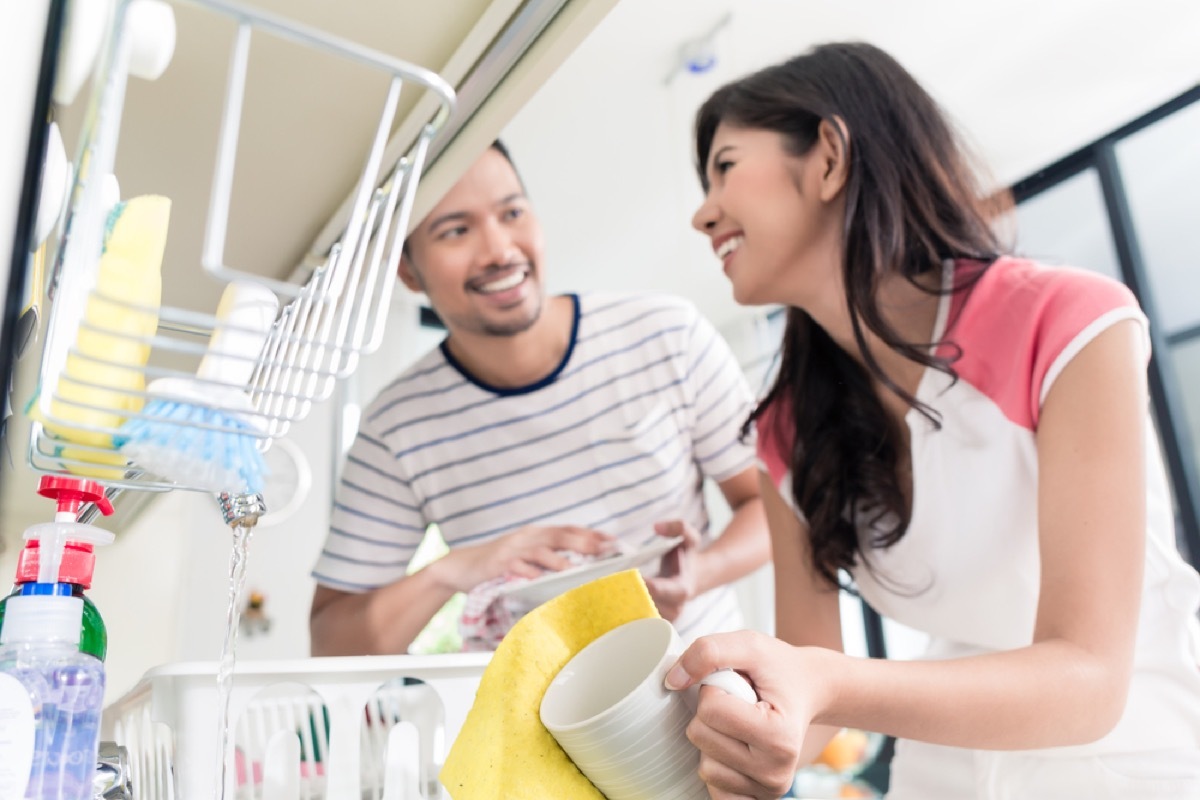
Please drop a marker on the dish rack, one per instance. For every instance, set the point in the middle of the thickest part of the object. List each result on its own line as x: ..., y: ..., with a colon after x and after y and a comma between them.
x: 334, y: 728
x: 376, y: 728
x: 325, y: 325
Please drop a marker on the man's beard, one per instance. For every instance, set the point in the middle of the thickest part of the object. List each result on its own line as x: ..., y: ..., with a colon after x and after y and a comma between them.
x: 514, y: 327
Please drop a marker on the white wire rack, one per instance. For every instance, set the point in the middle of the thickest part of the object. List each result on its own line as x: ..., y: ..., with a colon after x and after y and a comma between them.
x: 318, y: 336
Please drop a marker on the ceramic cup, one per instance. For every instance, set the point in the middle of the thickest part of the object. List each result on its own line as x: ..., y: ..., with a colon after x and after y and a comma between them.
x: 608, y: 709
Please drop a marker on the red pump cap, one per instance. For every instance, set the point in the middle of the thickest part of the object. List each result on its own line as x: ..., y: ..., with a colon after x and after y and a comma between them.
x: 78, y: 560
x: 71, y: 493
x: 77, y: 566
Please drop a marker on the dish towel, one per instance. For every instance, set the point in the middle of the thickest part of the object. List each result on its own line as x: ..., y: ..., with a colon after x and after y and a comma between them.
x: 502, y: 751
x: 488, y: 614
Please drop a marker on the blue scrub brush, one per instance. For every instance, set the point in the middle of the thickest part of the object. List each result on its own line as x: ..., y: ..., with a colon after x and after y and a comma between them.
x: 203, y: 432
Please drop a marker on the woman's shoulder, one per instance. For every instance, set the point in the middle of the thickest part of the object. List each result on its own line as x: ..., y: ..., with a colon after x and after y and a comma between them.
x: 774, y: 439
x: 1023, y: 288
x: 1014, y: 325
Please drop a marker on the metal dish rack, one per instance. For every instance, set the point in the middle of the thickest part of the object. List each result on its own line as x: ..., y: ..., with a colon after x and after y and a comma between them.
x: 324, y: 325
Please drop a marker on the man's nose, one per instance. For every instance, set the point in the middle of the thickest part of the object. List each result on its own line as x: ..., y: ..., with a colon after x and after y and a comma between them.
x: 498, y: 247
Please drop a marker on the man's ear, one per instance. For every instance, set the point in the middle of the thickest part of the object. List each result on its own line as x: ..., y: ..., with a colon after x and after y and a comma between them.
x: 408, y: 275
x: 833, y: 148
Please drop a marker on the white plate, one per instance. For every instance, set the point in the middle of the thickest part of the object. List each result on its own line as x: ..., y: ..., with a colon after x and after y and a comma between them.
x: 552, y: 584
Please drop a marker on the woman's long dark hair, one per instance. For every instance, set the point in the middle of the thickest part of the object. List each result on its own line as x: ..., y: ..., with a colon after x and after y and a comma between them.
x: 912, y: 201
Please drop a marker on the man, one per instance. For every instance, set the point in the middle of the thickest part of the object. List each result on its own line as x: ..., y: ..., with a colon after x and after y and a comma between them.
x: 541, y: 426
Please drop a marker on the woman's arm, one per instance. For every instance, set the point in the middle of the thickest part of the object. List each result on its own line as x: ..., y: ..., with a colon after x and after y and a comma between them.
x: 1070, y: 685
x: 1067, y: 687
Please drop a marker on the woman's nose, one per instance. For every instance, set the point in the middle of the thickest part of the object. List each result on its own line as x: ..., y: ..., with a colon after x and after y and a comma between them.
x: 705, y: 218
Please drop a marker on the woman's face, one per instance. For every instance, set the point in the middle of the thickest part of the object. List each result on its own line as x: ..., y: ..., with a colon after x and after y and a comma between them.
x: 774, y: 218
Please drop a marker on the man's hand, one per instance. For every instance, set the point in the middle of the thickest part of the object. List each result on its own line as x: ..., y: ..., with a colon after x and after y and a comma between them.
x: 677, y: 580
x: 527, y: 552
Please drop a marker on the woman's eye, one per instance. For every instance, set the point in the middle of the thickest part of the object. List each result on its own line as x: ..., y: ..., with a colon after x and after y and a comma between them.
x: 723, y: 166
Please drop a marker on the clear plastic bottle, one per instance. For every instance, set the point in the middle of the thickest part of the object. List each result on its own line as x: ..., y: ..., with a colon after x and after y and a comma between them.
x: 51, y: 698
x: 51, y: 693
x: 93, y: 634
x: 77, y: 562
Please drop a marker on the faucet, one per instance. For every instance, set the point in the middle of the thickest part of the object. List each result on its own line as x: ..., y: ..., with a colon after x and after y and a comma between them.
x: 112, y: 780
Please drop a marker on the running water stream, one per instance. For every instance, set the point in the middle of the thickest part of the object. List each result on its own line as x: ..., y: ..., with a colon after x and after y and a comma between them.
x: 237, y: 581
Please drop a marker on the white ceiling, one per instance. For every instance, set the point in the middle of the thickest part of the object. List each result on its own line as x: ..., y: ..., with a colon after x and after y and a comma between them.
x: 605, y: 146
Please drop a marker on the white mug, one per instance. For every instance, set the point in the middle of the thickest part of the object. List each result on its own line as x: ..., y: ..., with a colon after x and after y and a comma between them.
x: 609, y: 710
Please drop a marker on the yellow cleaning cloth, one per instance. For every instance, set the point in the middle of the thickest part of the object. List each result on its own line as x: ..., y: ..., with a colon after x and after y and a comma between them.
x: 503, y: 752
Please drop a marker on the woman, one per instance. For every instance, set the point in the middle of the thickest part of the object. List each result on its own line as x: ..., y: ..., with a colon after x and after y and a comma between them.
x: 963, y: 433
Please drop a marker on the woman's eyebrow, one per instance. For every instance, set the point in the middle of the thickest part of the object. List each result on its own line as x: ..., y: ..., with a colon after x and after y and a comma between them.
x: 719, y: 152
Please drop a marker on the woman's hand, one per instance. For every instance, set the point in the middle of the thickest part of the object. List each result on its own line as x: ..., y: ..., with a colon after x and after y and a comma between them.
x: 753, y: 751
x: 526, y: 552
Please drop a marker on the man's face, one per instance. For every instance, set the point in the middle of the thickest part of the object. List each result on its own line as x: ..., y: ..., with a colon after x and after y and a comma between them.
x: 478, y: 254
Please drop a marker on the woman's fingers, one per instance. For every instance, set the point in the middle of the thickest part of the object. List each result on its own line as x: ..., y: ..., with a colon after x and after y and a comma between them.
x: 726, y: 783
x: 749, y: 738
x: 738, y: 651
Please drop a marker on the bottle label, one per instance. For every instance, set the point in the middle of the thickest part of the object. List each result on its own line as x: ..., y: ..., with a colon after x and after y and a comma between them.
x: 16, y: 738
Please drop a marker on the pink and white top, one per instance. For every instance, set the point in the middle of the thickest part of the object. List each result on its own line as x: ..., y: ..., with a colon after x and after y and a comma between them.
x: 967, y: 570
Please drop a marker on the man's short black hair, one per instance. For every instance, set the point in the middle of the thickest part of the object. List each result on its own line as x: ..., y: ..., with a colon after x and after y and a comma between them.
x: 500, y: 148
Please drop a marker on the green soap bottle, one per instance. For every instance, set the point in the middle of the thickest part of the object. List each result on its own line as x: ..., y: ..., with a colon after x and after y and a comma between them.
x: 74, y: 543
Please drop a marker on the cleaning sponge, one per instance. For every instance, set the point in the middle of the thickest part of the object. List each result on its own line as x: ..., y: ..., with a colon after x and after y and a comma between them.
x: 99, y: 384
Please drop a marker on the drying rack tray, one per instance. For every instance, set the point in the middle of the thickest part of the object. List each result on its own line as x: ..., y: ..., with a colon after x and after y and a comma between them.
x: 341, y: 710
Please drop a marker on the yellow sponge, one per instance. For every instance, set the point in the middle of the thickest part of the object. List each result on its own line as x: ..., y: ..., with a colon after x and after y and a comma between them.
x: 503, y: 752
x: 130, y: 271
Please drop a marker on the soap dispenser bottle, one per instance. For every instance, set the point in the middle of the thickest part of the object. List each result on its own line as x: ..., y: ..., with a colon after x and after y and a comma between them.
x: 78, y: 556
x: 51, y: 694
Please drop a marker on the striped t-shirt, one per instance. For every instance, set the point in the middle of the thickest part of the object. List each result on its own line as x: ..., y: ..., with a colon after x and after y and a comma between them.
x: 647, y: 402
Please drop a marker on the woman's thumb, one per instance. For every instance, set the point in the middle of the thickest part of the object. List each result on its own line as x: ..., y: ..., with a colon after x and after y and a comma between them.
x: 705, y: 656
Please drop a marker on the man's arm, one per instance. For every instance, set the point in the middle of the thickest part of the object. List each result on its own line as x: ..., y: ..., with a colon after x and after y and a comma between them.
x: 744, y: 546
x: 387, y: 619
x: 381, y: 621
x: 720, y: 401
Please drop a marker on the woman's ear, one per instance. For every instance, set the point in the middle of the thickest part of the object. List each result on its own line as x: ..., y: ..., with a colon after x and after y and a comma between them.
x: 833, y: 146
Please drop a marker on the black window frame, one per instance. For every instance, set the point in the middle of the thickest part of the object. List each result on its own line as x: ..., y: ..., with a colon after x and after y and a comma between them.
x: 1165, y: 391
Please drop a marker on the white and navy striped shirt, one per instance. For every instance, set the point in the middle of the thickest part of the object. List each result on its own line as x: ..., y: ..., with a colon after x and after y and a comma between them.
x: 647, y: 402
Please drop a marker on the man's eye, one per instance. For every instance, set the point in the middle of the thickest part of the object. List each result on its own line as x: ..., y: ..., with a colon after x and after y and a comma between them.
x: 452, y: 233
x: 513, y: 213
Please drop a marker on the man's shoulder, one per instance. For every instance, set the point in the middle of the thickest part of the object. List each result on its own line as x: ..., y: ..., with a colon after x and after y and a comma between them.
x: 612, y: 310
x: 428, y: 377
